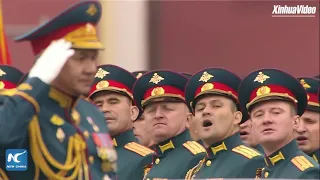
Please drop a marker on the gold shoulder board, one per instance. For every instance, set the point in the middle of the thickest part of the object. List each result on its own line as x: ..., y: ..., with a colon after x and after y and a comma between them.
x: 194, y: 147
x: 246, y: 151
x: 139, y: 149
x: 302, y: 163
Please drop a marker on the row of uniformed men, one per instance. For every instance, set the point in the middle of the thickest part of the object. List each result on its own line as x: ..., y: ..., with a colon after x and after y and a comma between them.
x: 68, y: 137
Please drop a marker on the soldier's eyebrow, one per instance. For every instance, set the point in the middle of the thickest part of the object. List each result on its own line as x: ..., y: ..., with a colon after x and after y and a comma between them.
x: 113, y: 99
x: 98, y: 101
x: 216, y: 101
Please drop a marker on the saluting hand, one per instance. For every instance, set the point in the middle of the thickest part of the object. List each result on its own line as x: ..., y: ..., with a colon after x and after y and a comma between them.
x: 51, y: 61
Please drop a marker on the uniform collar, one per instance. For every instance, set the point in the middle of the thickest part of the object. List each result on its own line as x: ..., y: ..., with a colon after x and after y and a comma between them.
x: 225, y: 145
x: 259, y: 148
x: 172, y: 143
x: 123, y: 138
x: 286, y: 152
x: 315, y: 155
x: 64, y: 100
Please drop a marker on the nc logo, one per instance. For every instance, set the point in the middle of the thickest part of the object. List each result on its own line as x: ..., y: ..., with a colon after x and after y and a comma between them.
x: 16, y: 159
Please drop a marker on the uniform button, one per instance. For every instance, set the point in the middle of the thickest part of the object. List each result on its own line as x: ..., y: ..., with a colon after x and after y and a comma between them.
x: 86, y: 134
x: 208, y: 163
x: 266, y: 174
x: 157, y: 161
x: 91, y: 159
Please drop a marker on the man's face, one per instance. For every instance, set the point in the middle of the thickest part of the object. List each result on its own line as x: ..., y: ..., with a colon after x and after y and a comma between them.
x: 308, y: 131
x: 142, y: 130
x: 247, y: 133
x: 216, y: 118
x: 77, y: 75
x: 274, y: 122
x: 118, y: 111
x: 168, y: 119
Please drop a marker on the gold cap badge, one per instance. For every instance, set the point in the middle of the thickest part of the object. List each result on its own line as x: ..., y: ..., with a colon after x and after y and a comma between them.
x: 1, y: 85
x: 304, y: 84
x: 207, y: 86
x: 261, y: 78
x: 157, y: 91
x: 2, y: 72
x: 92, y: 10
x: 101, y: 73
x: 205, y: 77
x: 156, y: 78
x: 263, y: 90
x: 102, y: 84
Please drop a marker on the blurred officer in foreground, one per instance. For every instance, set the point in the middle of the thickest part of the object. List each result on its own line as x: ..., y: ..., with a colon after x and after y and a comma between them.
x: 141, y: 126
x: 161, y: 96
x: 212, y: 94
x: 9, y: 79
x: 64, y: 136
x: 112, y: 93
x: 275, y: 100
x: 308, y: 132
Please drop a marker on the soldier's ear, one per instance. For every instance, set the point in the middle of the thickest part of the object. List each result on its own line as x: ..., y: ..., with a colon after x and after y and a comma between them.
x: 189, y: 120
x: 237, y: 117
x: 134, y: 113
x: 296, y: 122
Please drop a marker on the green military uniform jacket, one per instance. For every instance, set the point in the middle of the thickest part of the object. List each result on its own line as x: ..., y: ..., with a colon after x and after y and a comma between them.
x: 230, y: 158
x: 259, y: 148
x: 289, y: 163
x: 133, y: 158
x: 66, y: 138
x: 315, y: 155
x: 175, y: 157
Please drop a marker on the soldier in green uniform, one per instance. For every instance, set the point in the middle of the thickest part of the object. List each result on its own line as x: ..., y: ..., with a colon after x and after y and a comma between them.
x: 212, y: 95
x: 112, y: 93
x: 160, y: 94
x: 248, y: 137
x: 309, y: 128
x: 141, y: 127
x: 275, y: 100
x: 9, y: 79
x: 66, y: 136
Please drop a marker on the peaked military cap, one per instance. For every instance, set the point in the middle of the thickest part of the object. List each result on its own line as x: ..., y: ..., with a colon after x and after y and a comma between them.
x: 9, y: 77
x: 312, y: 87
x: 269, y: 84
x: 138, y: 74
x: 212, y: 81
x: 113, y: 78
x: 23, y: 78
x: 159, y: 85
x: 187, y: 75
x: 76, y: 24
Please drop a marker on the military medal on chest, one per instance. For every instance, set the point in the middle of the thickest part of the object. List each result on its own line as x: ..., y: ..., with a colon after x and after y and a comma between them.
x: 105, y: 151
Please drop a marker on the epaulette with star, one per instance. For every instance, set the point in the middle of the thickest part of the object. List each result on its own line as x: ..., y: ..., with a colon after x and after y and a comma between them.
x: 138, y: 148
x: 194, y: 147
x: 246, y: 151
x: 302, y: 163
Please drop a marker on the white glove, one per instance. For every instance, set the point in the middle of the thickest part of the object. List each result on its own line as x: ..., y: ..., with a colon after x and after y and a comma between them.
x: 51, y: 61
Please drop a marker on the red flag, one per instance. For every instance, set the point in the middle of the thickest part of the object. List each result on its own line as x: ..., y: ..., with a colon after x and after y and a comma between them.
x: 4, y: 52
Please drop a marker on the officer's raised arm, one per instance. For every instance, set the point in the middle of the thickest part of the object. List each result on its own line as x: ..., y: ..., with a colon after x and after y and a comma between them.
x: 19, y: 105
